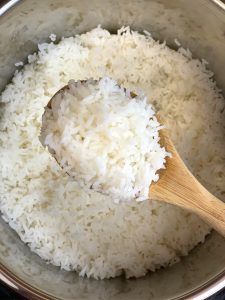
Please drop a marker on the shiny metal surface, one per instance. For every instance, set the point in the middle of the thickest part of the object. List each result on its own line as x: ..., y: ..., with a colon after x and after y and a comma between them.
x: 198, y: 25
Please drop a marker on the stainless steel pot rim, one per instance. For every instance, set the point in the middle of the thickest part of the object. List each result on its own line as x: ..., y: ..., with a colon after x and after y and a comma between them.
x: 219, y: 3
x: 6, y: 5
x: 10, y: 279
x: 204, y: 291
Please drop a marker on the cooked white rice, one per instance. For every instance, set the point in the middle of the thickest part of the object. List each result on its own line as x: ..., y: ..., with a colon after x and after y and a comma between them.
x: 80, y: 229
x: 105, y: 137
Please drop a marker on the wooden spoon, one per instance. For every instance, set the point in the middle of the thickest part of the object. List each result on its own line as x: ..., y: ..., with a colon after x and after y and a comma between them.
x: 177, y: 185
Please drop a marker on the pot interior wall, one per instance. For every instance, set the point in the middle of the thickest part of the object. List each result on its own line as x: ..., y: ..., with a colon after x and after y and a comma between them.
x: 198, y: 25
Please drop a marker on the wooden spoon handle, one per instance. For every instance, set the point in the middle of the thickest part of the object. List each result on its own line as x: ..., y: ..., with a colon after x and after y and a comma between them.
x: 178, y: 186
x: 212, y: 210
x: 198, y: 201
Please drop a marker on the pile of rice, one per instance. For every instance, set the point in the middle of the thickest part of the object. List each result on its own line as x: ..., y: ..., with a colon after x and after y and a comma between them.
x: 80, y: 229
x: 105, y: 137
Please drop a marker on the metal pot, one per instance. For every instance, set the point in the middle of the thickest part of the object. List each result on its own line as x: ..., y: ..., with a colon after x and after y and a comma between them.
x: 198, y: 25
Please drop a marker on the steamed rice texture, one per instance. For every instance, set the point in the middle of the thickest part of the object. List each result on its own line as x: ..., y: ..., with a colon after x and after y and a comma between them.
x: 79, y: 229
x: 105, y: 137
